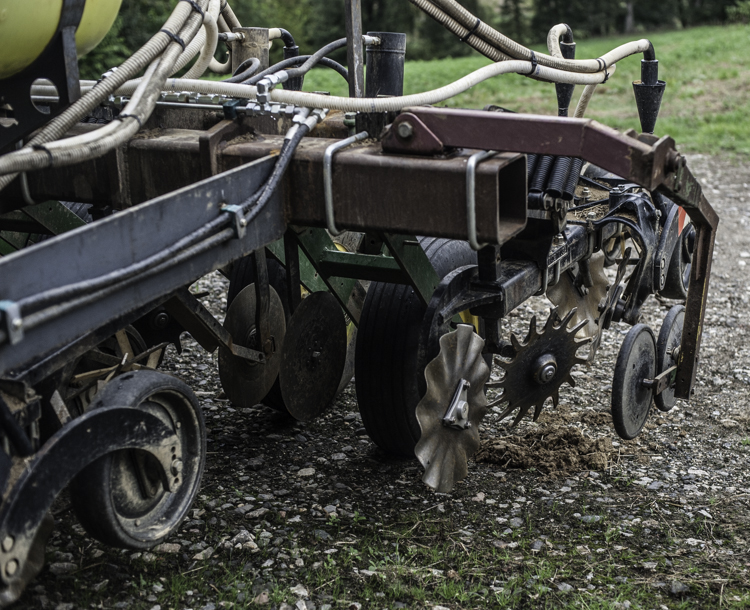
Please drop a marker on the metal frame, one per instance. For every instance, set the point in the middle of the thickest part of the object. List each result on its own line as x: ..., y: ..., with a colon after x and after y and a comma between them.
x: 651, y: 163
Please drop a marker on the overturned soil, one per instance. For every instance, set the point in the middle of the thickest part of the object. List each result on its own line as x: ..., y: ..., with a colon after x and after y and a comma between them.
x: 551, y: 449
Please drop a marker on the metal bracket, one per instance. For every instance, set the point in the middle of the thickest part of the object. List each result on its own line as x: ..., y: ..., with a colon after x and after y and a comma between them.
x: 328, y: 178
x: 471, y: 195
x: 240, y: 222
x: 662, y: 381
x: 13, y: 321
x: 457, y: 415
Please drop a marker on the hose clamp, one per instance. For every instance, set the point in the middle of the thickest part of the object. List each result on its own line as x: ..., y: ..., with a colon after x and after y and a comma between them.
x: 534, y: 64
x: 240, y: 222
x: 328, y: 177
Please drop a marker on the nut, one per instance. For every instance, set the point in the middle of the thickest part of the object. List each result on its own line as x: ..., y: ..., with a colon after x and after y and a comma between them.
x: 405, y: 130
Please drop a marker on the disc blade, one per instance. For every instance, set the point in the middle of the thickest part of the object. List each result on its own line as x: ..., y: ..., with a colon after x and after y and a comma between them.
x: 313, y: 356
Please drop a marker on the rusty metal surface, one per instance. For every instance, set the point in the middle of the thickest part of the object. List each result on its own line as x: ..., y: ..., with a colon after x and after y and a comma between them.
x: 372, y: 190
x: 652, y: 163
x: 408, y: 195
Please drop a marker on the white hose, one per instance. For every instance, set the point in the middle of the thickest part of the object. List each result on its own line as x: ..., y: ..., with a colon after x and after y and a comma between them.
x: 94, y: 144
x: 583, y: 101
x: 58, y: 126
x: 208, y: 50
x: 384, y: 104
x: 553, y: 39
x: 211, y: 29
x: 517, y: 51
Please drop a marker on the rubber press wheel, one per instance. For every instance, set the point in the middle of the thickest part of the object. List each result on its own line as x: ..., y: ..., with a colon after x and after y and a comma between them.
x: 386, y: 365
x: 120, y: 499
x: 670, y: 337
x: 631, y: 398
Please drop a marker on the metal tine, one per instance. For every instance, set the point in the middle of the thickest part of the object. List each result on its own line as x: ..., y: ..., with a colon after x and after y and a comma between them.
x: 521, y: 413
x: 538, y: 410
x: 568, y: 317
x: 515, y: 343
x: 532, y: 330
x: 552, y: 319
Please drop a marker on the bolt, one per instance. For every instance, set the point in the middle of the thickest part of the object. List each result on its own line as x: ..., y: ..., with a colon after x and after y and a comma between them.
x: 586, y: 193
x: 268, y: 347
x: 17, y: 323
x: 316, y: 355
x: 11, y: 567
x: 591, y: 215
x: 546, y: 369
x: 161, y: 320
x: 137, y: 522
x: 8, y: 542
x: 243, y: 222
x: 405, y: 130
x: 547, y: 373
x: 176, y: 466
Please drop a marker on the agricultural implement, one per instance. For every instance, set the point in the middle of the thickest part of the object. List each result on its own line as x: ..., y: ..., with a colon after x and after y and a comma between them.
x: 374, y: 232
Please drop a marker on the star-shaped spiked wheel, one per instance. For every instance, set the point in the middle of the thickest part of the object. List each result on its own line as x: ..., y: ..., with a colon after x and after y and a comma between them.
x: 539, y: 366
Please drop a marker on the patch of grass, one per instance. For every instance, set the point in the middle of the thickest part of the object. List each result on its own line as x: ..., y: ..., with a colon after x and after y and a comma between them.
x: 706, y: 106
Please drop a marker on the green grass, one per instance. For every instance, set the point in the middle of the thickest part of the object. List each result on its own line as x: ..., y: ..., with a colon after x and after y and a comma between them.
x: 706, y: 106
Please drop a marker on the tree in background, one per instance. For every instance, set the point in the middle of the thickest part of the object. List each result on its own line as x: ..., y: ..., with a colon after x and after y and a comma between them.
x: 317, y: 22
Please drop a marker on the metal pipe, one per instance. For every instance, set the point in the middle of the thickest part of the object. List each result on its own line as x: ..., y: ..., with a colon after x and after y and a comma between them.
x: 471, y: 195
x: 328, y: 178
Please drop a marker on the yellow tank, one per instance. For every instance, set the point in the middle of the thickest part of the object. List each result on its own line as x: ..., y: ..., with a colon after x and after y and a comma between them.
x: 27, y: 26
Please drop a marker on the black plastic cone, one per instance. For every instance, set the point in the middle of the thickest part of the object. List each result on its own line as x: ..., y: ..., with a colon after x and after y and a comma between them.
x: 648, y: 101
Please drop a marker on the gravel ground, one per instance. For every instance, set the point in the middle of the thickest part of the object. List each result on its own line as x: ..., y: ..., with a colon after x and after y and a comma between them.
x: 558, y: 513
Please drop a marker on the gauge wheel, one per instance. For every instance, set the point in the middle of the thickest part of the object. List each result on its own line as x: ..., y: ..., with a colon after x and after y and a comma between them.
x: 120, y: 498
x: 631, y: 397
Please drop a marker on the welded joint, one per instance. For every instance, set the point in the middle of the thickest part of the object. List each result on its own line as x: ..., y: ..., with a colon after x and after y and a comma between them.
x: 12, y: 320
x: 328, y: 177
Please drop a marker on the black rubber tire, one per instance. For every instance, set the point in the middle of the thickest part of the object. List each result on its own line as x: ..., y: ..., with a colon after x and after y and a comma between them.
x: 678, y: 270
x: 631, y: 400
x: 386, y: 368
x: 670, y: 336
x: 97, y: 490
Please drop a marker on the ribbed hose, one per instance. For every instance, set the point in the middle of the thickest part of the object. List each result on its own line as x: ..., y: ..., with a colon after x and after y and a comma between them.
x: 531, y: 161
x: 347, y: 104
x: 58, y: 126
x: 211, y: 29
x: 209, y: 48
x: 215, y: 65
x: 95, y: 144
x: 583, y: 101
x: 517, y: 51
x: 558, y: 176
x: 230, y: 17
x: 460, y: 31
x: 542, y: 170
x: 575, y: 173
